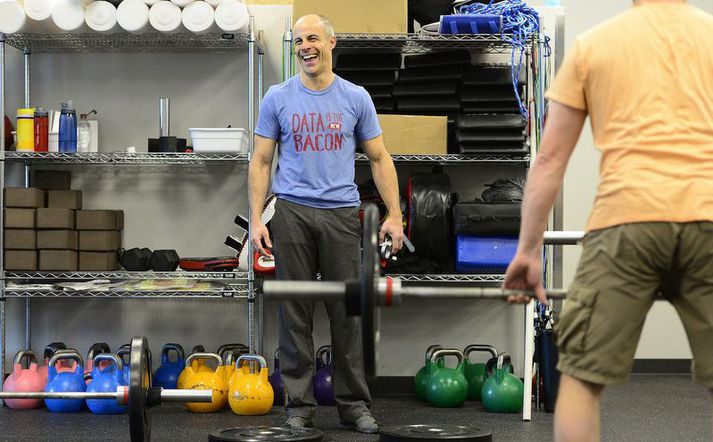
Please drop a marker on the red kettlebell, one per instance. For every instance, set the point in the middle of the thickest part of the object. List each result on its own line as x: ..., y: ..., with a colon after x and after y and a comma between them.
x: 24, y: 380
x: 96, y: 349
x: 50, y: 350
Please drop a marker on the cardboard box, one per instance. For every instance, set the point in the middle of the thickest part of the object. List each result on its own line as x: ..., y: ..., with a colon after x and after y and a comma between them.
x: 98, y: 261
x: 20, y: 218
x: 99, y: 240
x: 100, y: 219
x: 415, y: 134
x: 21, y: 260
x: 55, y: 218
x: 63, y: 260
x: 52, y: 179
x: 64, y: 199
x: 57, y: 239
x: 20, y: 239
x: 24, y: 197
x: 363, y: 16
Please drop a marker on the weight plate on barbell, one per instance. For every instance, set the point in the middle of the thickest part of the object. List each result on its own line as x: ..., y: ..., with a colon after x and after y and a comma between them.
x: 258, y: 434
x: 140, y: 380
x: 369, y: 281
x: 434, y: 433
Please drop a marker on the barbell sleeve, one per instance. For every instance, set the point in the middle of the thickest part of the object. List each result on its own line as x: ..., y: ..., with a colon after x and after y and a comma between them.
x: 186, y: 395
x: 304, y: 290
x: 558, y: 238
x: 58, y: 395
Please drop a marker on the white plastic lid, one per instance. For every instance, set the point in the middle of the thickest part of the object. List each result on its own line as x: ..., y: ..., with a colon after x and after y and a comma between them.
x: 182, y: 3
x: 39, y: 9
x: 231, y: 16
x: 132, y: 15
x: 198, y: 16
x: 100, y: 16
x: 68, y: 15
x: 12, y: 17
x: 164, y: 16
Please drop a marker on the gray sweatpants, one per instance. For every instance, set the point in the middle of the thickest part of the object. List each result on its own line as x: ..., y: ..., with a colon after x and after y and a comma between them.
x: 307, y: 241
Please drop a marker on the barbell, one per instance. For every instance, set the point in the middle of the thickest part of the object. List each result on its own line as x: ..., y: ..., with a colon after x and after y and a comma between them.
x: 138, y: 396
x: 362, y: 296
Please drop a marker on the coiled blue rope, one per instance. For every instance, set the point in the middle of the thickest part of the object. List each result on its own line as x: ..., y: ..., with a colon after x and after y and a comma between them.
x: 519, y: 23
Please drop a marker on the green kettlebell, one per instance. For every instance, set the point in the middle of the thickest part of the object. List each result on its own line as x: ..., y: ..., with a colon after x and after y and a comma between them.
x: 447, y: 387
x: 503, y: 391
x: 475, y: 373
x: 421, y: 380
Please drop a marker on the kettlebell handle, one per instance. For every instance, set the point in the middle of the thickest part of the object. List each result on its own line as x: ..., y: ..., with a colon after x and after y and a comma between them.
x: 98, y: 348
x: 52, y: 348
x: 225, y: 347
x: 108, y: 357
x: 431, y: 349
x: 203, y: 356
x: 66, y: 354
x: 227, y: 350
x: 502, y: 359
x: 480, y: 348
x: 325, y: 349
x: 447, y: 352
x: 257, y: 358
x: 29, y: 354
x: 175, y: 347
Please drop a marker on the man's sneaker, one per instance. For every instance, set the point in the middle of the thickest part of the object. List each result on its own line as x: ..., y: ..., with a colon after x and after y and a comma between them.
x: 298, y: 422
x: 363, y: 424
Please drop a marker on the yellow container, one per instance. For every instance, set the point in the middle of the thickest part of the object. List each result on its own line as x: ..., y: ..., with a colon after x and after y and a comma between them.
x: 250, y: 394
x: 26, y: 130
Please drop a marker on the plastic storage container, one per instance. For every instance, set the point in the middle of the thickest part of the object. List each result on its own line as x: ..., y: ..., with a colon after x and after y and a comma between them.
x: 26, y: 129
x: 481, y: 254
x: 207, y: 139
x: 68, y: 128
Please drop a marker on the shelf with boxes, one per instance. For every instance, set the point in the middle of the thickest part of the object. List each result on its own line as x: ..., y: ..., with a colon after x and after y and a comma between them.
x: 423, y: 43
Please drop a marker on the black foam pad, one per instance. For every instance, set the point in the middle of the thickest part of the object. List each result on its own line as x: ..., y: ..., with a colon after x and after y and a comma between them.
x: 491, y: 106
x: 369, y: 78
x: 380, y: 91
x: 431, y: 74
x: 369, y: 61
x: 438, y: 58
x: 429, y: 104
x: 479, y: 74
x: 490, y: 121
x: 478, y: 93
x: 425, y: 89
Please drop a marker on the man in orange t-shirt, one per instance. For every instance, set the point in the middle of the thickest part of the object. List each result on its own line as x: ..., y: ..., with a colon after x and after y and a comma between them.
x: 645, y: 79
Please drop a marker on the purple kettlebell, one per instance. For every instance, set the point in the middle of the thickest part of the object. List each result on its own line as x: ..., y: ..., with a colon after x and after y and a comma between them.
x: 322, y: 381
x: 277, y: 386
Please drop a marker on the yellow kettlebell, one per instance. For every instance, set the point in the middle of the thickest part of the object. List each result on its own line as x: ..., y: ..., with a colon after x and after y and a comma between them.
x: 250, y: 393
x: 206, y: 380
x: 198, y: 365
x: 230, y: 355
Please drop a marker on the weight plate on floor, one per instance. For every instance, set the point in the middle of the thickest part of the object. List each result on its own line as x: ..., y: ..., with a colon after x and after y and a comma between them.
x: 258, y: 434
x: 434, y: 433
x: 140, y: 379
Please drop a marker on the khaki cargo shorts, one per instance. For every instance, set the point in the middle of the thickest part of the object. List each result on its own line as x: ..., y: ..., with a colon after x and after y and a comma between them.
x: 621, y: 272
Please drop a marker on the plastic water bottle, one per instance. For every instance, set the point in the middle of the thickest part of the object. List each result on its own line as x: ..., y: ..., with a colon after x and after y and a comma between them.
x: 68, y: 128
x: 84, y: 134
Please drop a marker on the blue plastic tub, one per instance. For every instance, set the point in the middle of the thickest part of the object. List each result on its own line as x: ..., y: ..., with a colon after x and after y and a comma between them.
x: 484, y: 254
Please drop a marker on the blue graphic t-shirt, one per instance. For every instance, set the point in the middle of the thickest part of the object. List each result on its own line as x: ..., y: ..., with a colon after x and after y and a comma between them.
x: 317, y: 132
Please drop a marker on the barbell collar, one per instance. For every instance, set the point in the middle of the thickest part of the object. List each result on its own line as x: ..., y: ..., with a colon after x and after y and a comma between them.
x: 558, y: 238
x: 304, y: 290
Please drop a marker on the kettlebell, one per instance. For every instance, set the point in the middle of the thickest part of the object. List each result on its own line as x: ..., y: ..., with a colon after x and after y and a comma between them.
x: 124, y: 353
x: 206, y: 380
x: 229, y: 353
x: 95, y: 349
x: 65, y: 382
x: 107, y: 376
x: 277, y: 385
x: 166, y: 375
x: 475, y: 373
x: 24, y: 380
x: 198, y: 365
x: 420, y: 381
x: 502, y: 392
x: 492, y: 364
x: 323, y: 387
x: 250, y: 393
x: 50, y: 350
x: 447, y: 387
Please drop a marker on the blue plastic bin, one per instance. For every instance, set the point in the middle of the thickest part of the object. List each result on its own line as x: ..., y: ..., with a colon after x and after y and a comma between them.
x: 484, y: 254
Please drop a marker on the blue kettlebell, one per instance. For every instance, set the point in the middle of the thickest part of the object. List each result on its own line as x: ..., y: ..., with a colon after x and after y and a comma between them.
x: 167, y: 374
x: 277, y: 385
x: 322, y: 380
x: 65, y: 382
x: 107, y: 379
x: 124, y: 354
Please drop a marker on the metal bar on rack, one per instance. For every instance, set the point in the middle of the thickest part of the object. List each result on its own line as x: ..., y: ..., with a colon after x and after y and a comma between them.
x: 28, y: 97
x: 251, y: 129
x: 2, y: 215
x: 287, y: 50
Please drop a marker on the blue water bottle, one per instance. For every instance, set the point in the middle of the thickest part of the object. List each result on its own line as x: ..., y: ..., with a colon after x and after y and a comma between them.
x: 68, y: 128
